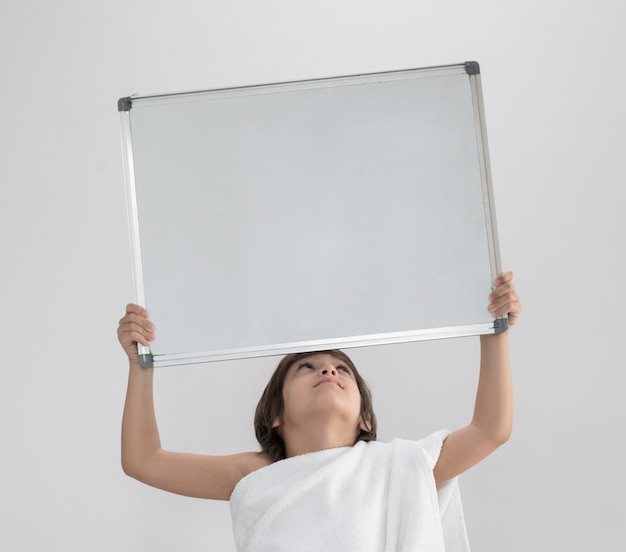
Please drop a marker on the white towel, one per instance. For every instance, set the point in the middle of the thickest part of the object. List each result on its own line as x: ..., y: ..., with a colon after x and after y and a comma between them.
x: 378, y: 497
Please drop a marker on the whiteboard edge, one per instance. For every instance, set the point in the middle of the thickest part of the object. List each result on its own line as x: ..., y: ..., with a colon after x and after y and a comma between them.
x: 133, y: 220
x: 325, y: 344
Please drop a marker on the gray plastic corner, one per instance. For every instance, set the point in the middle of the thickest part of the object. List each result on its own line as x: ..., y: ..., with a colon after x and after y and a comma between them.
x: 472, y: 68
x: 146, y: 361
x: 124, y: 104
x: 500, y: 325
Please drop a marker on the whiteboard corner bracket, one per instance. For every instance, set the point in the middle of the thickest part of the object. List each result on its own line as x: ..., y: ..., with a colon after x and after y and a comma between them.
x: 146, y: 361
x: 124, y: 104
x: 472, y: 68
x: 500, y: 325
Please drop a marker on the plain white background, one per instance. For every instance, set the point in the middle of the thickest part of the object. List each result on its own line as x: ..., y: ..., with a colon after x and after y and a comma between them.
x: 554, y: 87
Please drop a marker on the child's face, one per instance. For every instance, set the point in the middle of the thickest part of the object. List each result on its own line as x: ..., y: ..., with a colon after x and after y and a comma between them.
x: 319, y: 388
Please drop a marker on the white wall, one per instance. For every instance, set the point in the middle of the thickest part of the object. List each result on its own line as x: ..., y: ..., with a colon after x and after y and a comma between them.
x: 554, y: 85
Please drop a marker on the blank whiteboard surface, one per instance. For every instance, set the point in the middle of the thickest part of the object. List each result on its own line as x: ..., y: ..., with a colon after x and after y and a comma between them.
x: 311, y: 215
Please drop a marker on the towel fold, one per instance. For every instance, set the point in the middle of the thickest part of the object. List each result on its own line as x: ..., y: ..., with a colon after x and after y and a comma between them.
x: 378, y: 497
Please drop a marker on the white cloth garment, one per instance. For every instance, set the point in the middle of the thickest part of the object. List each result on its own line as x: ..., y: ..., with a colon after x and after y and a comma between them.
x: 378, y: 497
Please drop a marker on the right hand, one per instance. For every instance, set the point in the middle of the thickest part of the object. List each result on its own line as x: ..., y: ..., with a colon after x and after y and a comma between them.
x: 135, y: 328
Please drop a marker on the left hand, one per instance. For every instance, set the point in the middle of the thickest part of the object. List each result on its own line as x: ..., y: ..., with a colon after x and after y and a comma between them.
x: 504, y: 298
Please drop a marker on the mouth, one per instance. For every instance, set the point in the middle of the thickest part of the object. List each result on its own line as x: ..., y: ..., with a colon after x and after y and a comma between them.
x: 328, y: 380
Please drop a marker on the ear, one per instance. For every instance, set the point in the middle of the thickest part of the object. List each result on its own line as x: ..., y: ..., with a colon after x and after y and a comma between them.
x: 365, y: 426
x: 277, y: 422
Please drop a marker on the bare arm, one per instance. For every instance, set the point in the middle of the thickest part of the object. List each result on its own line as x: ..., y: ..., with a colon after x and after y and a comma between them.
x: 142, y: 455
x: 492, y: 421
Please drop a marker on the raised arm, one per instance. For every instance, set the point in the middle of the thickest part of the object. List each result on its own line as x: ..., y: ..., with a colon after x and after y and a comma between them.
x: 143, y: 457
x: 492, y: 421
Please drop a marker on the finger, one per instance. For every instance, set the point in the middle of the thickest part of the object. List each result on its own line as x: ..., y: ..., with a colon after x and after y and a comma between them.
x: 509, y: 309
x: 503, y: 278
x: 509, y: 304
x: 136, y: 309
x: 133, y: 333
x: 502, y: 290
x: 141, y: 325
x: 138, y: 319
x: 502, y: 298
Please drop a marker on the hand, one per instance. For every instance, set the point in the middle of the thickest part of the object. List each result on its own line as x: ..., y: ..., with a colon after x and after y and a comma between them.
x: 135, y: 328
x: 504, y: 298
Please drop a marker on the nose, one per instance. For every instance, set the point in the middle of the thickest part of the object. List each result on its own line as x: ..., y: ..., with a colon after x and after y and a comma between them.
x: 329, y: 370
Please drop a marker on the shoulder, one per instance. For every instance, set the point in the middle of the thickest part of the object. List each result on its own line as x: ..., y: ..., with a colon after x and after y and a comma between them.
x: 198, y: 475
x: 231, y: 469
x: 248, y: 462
x: 427, y: 449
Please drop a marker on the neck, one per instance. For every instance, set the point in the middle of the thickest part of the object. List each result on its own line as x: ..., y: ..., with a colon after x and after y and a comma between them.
x: 313, y: 439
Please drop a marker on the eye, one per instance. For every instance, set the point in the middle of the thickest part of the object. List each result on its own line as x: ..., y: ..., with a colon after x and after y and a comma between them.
x: 344, y: 368
x: 305, y: 365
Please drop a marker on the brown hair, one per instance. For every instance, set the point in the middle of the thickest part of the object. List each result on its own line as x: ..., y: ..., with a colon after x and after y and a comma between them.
x: 271, y: 405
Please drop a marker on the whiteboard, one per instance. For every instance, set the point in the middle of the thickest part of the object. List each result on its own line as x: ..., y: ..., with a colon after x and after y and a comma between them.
x: 309, y: 215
